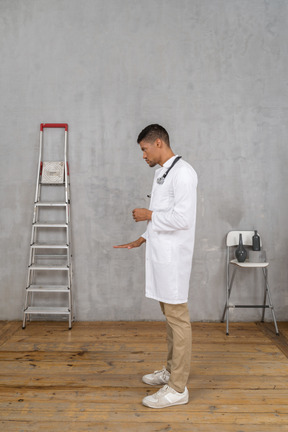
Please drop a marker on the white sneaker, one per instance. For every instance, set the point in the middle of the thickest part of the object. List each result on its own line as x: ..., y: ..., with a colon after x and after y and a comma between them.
x: 157, y: 378
x: 166, y: 397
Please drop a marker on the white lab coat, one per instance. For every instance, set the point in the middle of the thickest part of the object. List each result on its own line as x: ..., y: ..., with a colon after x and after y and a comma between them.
x: 170, y: 234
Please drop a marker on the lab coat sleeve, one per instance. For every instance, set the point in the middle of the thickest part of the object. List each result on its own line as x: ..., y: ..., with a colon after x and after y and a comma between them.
x: 145, y: 234
x: 183, y: 214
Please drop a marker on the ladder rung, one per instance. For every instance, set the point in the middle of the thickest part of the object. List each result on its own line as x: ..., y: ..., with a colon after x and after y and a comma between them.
x: 249, y: 306
x: 49, y: 288
x: 47, y: 256
x: 50, y: 225
x: 38, y: 310
x: 49, y: 246
x: 51, y: 204
x: 47, y: 267
x: 52, y: 184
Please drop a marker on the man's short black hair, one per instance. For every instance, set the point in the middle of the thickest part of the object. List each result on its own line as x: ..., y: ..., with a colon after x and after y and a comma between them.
x: 153, y: 132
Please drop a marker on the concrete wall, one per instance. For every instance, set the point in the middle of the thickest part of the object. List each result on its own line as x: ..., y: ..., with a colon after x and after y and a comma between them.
x: 213, y: 72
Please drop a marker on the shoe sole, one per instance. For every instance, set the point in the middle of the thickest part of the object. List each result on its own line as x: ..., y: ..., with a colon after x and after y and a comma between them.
x: 166, y: 406
x: 152, y: 384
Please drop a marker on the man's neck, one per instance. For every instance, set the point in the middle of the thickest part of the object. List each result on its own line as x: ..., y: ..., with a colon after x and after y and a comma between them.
x: 168, y: 155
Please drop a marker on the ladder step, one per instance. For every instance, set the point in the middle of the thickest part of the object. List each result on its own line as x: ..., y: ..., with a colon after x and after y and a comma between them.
x: 38, y: 310
x: 47, y: 267
x: 46, y: 256
x: 48, y: 288
x: 50, y: 225
x: 49, y: 246
x: 52, y: 184
x: 51, y: 204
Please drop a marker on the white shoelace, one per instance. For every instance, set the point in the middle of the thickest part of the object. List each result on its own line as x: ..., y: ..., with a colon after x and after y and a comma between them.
x: 163, y: 390
x: 164, y: 372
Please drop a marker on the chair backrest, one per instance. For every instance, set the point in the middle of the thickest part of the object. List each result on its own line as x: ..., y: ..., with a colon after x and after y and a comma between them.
x: 232, y: 238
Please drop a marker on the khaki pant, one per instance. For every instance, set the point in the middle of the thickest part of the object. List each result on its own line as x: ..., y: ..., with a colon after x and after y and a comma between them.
x: 179, y: 341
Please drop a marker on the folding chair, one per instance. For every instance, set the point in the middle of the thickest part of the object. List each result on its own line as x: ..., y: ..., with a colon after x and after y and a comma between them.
x: 232, y: 240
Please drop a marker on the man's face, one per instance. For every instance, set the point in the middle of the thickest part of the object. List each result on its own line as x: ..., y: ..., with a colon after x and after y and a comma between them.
x: 150, y: 152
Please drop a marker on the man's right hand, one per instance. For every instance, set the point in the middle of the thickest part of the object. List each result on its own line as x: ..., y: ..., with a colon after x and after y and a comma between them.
x: 132, y: 245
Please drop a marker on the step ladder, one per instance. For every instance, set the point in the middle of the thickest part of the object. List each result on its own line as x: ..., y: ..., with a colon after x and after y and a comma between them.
x: 49, y: 279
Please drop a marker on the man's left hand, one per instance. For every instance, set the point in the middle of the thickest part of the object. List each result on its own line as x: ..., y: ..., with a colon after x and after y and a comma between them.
x: 141, y: 214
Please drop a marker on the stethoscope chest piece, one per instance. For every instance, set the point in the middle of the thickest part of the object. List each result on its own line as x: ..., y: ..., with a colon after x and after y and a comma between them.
x: 160, y: 180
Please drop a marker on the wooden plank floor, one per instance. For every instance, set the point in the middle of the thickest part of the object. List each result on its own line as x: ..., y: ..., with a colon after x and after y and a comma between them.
x: 89, y: 379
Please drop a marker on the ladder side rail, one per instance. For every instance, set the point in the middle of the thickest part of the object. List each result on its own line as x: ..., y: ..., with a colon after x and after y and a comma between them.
x: 33, y: 241
x: 66, y: 179
x: 33, y: 235
x: 70, y: 243
x: 66, y: 168
x: 69, y: 240
x: 67, y: 194
x: 69, y: 250
x: 71, y: 304
x: 35, y: 213
x: 28, y: 277
x: 68, y: 218
x: 39, y: 168
x: 67, y: 234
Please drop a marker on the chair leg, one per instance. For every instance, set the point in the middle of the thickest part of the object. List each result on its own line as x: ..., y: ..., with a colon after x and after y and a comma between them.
x: 224, y: 312
x: 226, y: 308
x: 270, y: 301
x: 265, y: 294
x: 227, y: 322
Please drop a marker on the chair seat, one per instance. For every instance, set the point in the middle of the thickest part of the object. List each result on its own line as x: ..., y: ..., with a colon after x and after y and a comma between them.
x: 248, y: 264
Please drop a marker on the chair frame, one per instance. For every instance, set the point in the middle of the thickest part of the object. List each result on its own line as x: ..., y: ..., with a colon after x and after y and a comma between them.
x: 232, y: 241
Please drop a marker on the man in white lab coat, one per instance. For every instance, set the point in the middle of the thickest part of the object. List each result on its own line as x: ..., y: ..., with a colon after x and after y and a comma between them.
x: 169, y: 250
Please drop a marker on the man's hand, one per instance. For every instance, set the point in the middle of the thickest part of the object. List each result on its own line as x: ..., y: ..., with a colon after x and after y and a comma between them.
x: 141, y: 214
x: 132, y: 245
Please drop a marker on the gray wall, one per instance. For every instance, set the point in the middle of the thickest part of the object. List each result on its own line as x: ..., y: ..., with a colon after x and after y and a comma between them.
x: 213, y: 72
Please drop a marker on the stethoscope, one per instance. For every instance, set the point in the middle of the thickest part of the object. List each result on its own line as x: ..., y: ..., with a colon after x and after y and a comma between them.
x: 161, y: 180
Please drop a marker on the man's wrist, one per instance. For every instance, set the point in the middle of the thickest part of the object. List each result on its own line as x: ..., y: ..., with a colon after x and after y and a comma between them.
x: 149, y: 215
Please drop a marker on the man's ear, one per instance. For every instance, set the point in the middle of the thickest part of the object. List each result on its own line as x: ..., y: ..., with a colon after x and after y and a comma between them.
x: 158, y: 142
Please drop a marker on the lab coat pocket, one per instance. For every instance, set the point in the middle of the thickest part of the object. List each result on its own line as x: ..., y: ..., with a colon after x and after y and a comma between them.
x: 161, y: 249
x: 163, y: 197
